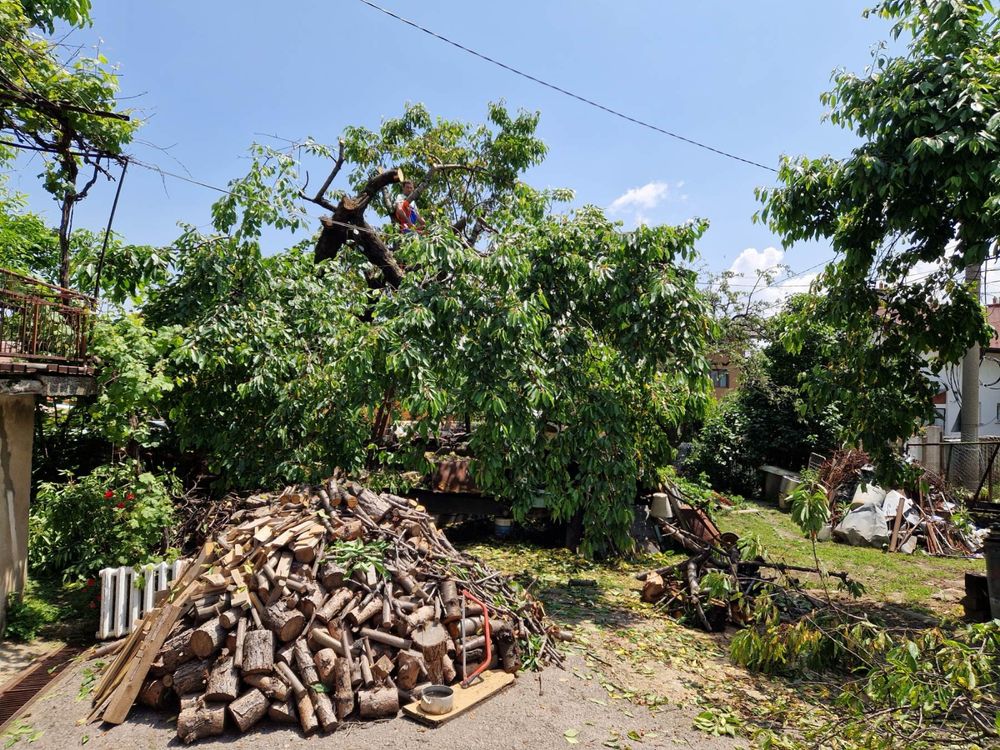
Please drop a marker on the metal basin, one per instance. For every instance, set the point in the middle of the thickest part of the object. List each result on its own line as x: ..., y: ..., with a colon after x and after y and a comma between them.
x: 437, y: 699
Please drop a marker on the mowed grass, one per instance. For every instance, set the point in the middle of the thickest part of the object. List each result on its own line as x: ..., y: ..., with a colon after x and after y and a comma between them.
x: 894, y: 578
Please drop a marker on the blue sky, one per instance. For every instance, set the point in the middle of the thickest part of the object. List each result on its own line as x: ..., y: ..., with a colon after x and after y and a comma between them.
x: 213, y: 76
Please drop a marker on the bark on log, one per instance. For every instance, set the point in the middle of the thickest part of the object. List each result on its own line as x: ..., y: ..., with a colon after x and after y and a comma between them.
x: 408, y: 668
x: 325, y: 660
x: 283, y: 712
x: 189, y: 678
x: 198, y: 720
x: 271, y: 686
x: 290, y: 677
x: 307, y: 715
x: 331, y: 576
x: 362, y: 615
x: 258, y: 652
x: 154, y: 693
x: 175, y: 652
x: 385, y: 638
x: 452, y: 603
x: 333, y: 606
x: 241, y: 634
x: 432, y: 640
x: 223, y: 682
x: 207, y: 639
x: 380, y: 703
x: 248, y: 709
x: 286, y: 623
x: 343, y: 695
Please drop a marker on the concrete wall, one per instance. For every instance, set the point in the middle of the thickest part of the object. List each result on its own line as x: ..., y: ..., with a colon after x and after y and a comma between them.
x: 17, y: 431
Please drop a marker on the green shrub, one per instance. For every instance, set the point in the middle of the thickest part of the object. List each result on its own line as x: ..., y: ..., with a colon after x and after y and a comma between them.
x: 26, y: 616
x: 115, y: 515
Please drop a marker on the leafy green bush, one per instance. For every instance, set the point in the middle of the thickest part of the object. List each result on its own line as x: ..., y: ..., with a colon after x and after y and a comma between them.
x: 26, y: 616
x: 115, y: 515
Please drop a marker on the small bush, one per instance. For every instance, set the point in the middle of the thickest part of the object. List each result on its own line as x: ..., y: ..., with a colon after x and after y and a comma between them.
x: 115, y: 515
x: 27, y: 616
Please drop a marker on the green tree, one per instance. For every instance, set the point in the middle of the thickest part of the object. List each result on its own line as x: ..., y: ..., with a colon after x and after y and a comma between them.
x: 922, y: 191
x: 573, y: 348
x: 63, y: 109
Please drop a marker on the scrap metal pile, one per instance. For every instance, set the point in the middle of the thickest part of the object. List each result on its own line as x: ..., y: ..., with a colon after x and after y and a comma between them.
x: 317, y: 605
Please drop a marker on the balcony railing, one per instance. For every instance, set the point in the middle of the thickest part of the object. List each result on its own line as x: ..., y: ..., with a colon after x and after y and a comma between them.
x: 43, y: 327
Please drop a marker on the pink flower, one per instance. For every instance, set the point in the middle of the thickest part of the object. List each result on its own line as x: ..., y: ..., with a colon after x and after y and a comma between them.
x: 120, y: 505
x: 108, y: 495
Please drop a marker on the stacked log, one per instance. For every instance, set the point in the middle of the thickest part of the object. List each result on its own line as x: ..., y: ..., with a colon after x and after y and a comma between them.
x: 277, y: 621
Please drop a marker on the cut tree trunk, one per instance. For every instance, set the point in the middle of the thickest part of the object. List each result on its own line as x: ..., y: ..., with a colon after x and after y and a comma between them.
x: 258, y: 652
x: 380, y: 703
x: 432, y: 640
x: 198, y: 720
x: 223, y: 682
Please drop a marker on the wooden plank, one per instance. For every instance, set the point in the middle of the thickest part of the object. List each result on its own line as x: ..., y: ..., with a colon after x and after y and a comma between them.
x: 125, y: 695
x: 465, y: 698
x: 895, y: 526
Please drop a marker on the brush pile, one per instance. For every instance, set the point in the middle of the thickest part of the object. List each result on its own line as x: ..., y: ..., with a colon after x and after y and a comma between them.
x: 317, y: 605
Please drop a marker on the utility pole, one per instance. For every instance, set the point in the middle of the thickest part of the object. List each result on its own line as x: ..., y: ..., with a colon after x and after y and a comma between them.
x: 969, y: 463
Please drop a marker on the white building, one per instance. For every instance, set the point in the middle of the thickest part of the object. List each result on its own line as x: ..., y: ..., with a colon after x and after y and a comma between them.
x: 948, y: 403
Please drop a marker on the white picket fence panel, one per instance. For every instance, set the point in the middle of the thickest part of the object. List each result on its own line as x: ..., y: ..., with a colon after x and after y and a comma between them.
x: 128, y: 593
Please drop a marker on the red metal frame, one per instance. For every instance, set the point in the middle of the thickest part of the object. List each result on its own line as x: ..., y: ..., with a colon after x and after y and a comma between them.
x: 44, y: 323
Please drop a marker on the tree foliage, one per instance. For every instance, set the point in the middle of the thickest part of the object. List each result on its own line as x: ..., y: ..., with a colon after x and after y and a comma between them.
x: 573, y: 347
x: 60, y: 105
x: 766, y: 420
x: 908, y: 210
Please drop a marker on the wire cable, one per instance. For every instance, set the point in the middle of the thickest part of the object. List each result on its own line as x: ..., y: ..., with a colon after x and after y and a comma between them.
x: 565, y: 92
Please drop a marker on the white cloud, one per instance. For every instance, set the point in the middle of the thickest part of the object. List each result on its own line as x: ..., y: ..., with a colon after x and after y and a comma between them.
x: 751, y: 262
x: 635, y: 203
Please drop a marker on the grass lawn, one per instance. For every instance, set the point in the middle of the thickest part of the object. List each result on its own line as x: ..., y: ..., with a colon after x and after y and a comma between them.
x: 640, y: 655
x: 919, y: 580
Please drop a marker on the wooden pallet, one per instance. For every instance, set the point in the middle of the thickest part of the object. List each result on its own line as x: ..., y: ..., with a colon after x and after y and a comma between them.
x: 492, y: 682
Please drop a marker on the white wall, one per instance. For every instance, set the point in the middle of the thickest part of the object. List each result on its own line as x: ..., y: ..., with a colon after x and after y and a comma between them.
x: 989, y: 397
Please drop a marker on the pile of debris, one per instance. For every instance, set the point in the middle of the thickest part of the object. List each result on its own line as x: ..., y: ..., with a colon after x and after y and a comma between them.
x: 319, y: 604
x: 877, y: 518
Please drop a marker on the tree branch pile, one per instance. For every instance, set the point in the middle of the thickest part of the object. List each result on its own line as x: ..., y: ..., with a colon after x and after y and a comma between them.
x: 319, y: 605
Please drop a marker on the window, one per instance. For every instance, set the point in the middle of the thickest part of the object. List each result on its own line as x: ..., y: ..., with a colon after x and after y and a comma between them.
x: 720, y: 378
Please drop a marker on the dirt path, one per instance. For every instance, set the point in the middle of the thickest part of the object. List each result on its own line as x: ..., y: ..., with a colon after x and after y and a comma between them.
x: 517, y: 718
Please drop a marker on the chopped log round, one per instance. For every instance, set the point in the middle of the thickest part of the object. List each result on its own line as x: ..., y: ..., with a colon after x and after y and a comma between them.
x: 198, y: 720
x: 283, y: 712
x: 207, y: 639
x: 333, y: 606
x: 380, y: 703
x: 343, y: 695
x: 432, y: 640
x: 230, y: 618
x: 362, y: 615
x: 325, y: 660
x: 307, y: 714
x: 189, y: 678
x: 155, y: 694
x: 248, y: 709
x: 258, y: 652
x: 223, y: 682
x: 175, y: 652
x: 274, y: 688
x: 287, y: 624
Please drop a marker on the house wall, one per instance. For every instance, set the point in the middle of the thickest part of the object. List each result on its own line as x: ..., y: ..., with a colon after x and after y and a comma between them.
x: 17, y: 430
x: 989, y: 398
x: 722, y: 364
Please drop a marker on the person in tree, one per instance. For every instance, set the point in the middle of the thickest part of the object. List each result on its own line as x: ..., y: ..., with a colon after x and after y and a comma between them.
x: 405, y: 211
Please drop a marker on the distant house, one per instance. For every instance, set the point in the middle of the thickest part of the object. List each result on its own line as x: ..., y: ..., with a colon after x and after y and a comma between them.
x: 725, y: 374
x: 948, y: 402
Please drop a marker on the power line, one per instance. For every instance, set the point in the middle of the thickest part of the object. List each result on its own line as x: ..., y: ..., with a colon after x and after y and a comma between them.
x: 565, y: 92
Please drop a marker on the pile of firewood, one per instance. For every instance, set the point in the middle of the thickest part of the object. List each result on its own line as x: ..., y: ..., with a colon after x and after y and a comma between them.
x: 288, y: 615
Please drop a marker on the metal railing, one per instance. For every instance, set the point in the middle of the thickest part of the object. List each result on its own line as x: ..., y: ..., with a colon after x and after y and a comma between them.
x: 42, y: 323
x: 947, y: 457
